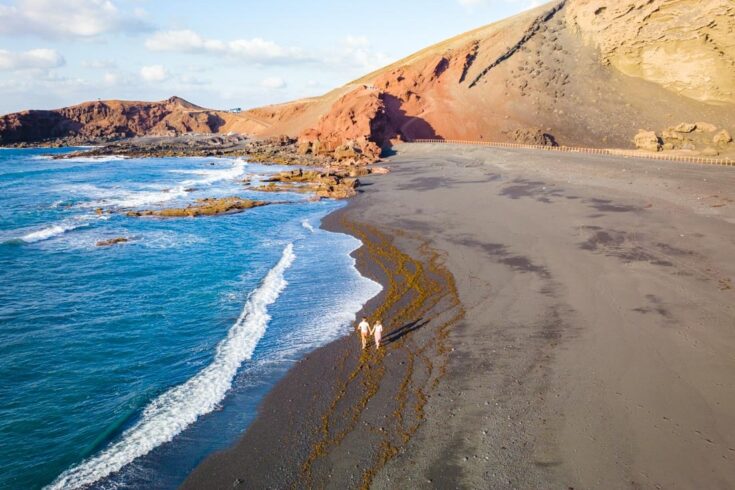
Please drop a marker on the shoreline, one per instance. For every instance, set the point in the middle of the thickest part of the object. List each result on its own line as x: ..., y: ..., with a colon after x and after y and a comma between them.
x: 596, y: 305
x: 353, y: 379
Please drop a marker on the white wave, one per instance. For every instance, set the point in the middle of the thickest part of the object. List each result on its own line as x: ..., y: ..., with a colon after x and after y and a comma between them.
x: 307, y: 225
x: 50, y: 231
x: 215, y: 174
x: 132, y: 199
x: 179, y: 407
x: 94, y: 159
x: 60, y: 228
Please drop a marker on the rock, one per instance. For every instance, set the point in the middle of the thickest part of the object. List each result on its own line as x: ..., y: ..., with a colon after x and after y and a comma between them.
x: 346, y: 151
x: 707, y: 127
x: 339, y: 184
x: 100, y: 121
x: 684, y: 127
x: 203, y: 207
x: 112, y: 241
x: 304, y: 148
x: 722, y: 138
x: 671, y: 134
x: 532, y: 136
x: 647, y: 140
x: 379, y: 170
x: 663, y: 42
x: 710, y: 152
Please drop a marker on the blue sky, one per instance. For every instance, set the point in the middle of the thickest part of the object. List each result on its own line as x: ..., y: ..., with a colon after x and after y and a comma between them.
x: 218, y: 54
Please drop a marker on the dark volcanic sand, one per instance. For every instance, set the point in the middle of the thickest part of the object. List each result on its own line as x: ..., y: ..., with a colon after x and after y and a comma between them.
x: 595, y: 350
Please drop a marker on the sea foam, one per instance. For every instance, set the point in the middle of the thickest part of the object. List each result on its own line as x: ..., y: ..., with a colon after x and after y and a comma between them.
x: 57, y: 229
x: 131, y: 199
x: 307, y: 225
x: 179, y: 407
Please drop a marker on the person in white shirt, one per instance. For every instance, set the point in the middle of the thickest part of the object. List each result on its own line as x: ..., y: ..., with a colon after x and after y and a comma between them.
x: 377, y: 333
x: 364, y: 329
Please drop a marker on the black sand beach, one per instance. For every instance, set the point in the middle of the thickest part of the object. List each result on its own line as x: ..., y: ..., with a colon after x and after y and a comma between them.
x: 555, y: 321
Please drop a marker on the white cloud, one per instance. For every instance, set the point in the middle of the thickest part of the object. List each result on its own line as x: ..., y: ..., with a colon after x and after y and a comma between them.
x: 68, y: 18
x: 357, y: 52
x: 99, y: 64
x: 33, y: 59
x: 273, y: 83
x: 111, y: 78
x: 154, y: 73
x: 256, y: 50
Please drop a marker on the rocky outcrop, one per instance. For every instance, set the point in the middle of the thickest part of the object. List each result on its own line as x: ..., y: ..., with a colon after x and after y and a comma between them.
x: 648, y: 141
x: 532, y: 136
x: 685, y: 46
x: 355, y: 128
x: 108, y: 120
x: 112, y: 241
x: 588, y: 72
x: 335, y: 184
x: 722, y: 138
x: 203, y: 207
x: 696, y: 138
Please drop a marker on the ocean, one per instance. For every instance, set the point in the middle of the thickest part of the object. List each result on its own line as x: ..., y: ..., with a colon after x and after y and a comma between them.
x: 124, y: 366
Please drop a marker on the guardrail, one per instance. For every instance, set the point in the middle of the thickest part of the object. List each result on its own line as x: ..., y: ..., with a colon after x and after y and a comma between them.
x: 726, y: 162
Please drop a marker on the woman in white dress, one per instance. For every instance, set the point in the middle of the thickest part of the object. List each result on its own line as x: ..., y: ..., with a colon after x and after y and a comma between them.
x: 377, y: 331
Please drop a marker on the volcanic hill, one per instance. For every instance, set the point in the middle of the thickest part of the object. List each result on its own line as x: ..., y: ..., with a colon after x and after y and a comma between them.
x: 575, y: 72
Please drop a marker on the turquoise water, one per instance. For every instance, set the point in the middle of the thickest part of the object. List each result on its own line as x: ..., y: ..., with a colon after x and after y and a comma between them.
x: 124, y: 366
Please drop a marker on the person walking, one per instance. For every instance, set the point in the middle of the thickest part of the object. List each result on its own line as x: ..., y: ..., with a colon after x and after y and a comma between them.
x: 377, y: 331
x: 364, y: 329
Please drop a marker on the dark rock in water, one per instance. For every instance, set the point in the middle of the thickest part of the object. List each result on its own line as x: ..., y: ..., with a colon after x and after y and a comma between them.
x: 190, y: 189
x: 112, y: 241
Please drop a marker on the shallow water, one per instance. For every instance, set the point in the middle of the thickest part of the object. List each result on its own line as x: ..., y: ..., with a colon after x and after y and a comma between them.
x: 124, y: 366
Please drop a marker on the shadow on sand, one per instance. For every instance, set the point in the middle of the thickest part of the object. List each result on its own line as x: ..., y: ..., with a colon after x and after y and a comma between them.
x: 404, y: 330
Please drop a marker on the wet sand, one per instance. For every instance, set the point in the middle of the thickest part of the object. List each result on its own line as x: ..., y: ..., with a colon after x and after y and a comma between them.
x: 564, y: 321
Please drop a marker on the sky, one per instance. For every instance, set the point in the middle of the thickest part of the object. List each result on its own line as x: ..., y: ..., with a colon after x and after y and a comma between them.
x: 217, y: 54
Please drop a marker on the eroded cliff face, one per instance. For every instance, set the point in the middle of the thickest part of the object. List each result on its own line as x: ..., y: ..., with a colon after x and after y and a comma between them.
x: 574, y: 72
x: 105, y: 120
x: 686, y: 46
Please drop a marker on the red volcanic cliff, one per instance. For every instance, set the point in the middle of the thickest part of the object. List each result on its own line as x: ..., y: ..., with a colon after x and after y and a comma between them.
x: 104, y: 120
x: 570, y: 72
x: 574, y: 72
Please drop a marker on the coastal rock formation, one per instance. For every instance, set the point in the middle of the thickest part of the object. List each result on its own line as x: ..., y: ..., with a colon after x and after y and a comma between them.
x: 684, y: 46
x: 583, y: 72
x: 570, y: 72
x: 203, y: 207
x: 112, y: 241
x: 108, y: 120
x: 338, y: 184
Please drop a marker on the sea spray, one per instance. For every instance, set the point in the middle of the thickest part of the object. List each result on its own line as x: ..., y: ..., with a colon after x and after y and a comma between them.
x: 173, y: 411
x: 115, y: 197
x: 307, y: 225
x: 56, y: 229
